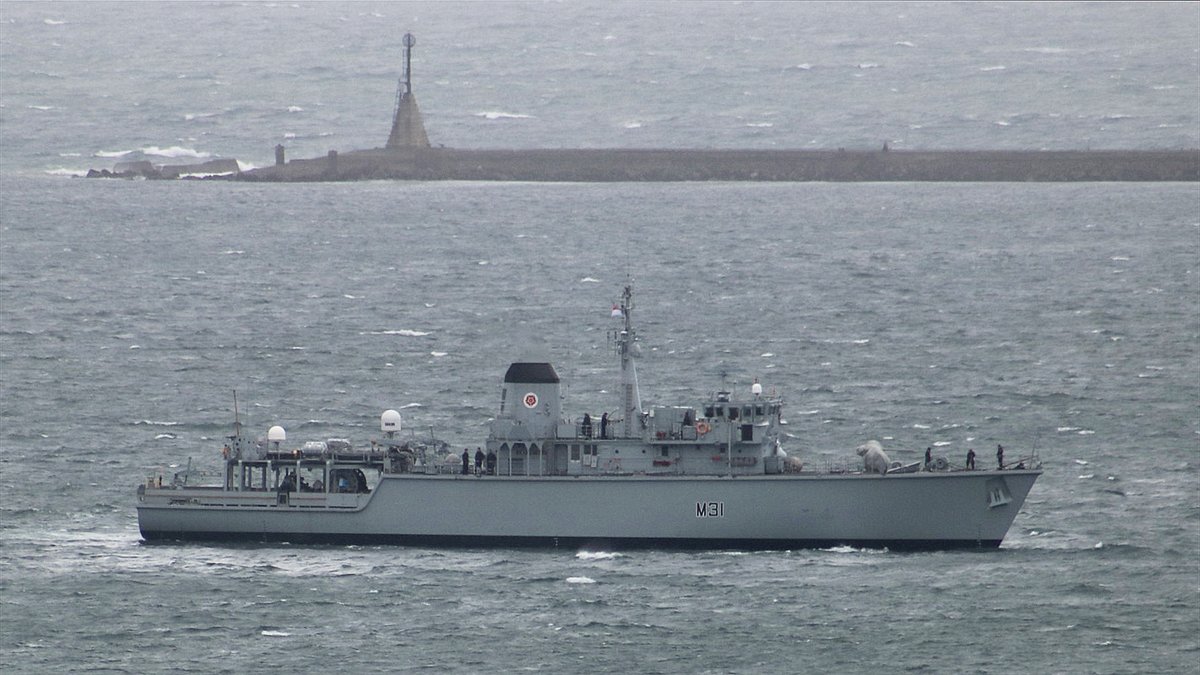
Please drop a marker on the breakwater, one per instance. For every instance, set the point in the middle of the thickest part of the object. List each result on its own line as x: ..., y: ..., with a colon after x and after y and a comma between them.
x: 614, y: 165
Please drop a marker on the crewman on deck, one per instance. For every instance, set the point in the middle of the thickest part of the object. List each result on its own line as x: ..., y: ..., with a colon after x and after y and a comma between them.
x: 999, y: 457
x: 971, y: 459
x: 587, y: 425
x: 928, y: 458
x: 604, y: 425
x: 478, y: 461
x: 491, y: 462
x: 466, y: 462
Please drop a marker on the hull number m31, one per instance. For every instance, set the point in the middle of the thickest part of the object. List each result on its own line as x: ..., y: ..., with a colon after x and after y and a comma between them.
x: 710, y: 509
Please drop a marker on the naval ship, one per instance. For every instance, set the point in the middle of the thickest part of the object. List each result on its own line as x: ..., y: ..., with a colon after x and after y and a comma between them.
x: 711, y: 475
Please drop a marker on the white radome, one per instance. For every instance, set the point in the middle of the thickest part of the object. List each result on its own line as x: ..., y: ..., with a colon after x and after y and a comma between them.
x: 389, y: 421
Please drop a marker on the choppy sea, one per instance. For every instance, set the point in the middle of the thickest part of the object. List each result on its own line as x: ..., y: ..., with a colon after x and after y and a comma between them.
x: 1061, y: 318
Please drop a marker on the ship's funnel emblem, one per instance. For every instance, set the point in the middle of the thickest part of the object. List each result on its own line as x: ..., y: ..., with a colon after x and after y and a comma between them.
x: 531, y: 400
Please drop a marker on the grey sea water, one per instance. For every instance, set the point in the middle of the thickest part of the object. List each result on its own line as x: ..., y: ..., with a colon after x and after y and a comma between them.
x: 1058, y: 318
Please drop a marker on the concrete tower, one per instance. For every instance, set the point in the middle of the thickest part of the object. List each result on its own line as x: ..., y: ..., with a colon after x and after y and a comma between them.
x: 408, y: 131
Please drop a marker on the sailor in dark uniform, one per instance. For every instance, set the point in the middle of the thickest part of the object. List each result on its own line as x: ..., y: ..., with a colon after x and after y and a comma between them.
x: 466, y: 462
x: 604, y: 425
x: 999, y: 457
x: 971, y: 459
x: 478, y: 461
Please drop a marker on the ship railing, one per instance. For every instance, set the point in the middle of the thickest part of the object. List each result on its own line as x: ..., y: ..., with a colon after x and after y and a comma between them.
x: 852, y: 465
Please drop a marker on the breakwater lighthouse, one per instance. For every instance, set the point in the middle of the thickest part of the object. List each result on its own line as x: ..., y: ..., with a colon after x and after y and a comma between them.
x: 408, y: 131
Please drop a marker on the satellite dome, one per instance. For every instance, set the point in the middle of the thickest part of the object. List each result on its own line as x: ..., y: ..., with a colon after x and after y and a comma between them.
x: 276, y: 434
x: 389, y: 421
x: 756, y: 389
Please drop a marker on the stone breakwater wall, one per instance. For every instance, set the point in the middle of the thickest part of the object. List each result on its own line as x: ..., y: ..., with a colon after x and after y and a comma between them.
x: 610, y: 165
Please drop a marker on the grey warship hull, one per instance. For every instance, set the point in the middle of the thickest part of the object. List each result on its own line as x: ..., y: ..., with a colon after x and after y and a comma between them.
x: 903, y: 512
x: 711, y: 475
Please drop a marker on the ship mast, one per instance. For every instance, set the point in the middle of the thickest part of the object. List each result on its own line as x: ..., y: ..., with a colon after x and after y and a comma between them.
x: 627, y: 347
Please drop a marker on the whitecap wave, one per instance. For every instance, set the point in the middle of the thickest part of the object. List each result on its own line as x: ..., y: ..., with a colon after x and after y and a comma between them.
x: 154, y: 151
x: 632, y: 124
x: 72, y: 173
x: 175, y: 151
x: 988, y: 69
x: 207, y: 175
x: 597, y: 555
x: 589, y: 280
x: 275, y: 633
x: 580, y: 580
x: 403, y: 331
x: 500, y: 115
x: 851, y: 549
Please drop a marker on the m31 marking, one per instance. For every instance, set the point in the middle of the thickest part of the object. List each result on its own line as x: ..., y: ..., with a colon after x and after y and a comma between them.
x: 710, y: 509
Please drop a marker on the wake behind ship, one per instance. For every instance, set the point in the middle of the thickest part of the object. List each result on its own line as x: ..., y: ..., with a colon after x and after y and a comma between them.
x: 710, y: 475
